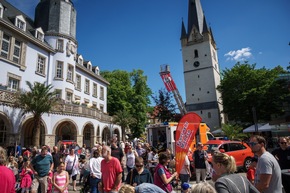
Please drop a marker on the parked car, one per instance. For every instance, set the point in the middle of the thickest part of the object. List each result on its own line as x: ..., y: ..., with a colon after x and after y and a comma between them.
x: 238, y: 149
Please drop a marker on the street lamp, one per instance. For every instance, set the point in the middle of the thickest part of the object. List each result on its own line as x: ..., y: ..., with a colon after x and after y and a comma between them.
x: 255, y: 119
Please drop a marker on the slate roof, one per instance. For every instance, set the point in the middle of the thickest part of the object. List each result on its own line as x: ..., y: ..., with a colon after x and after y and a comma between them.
x: 9, y: 15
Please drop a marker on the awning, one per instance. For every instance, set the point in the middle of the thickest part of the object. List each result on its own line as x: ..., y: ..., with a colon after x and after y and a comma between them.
x: 218, y: 131
x: 261, y: 127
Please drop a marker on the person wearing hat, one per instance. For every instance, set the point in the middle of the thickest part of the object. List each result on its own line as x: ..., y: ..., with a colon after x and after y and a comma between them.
x: 200, y: 157
x: 185, y: 187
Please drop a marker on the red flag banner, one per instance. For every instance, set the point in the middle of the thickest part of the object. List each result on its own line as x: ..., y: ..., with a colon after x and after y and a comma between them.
x: 185, y: 133
x: 168, y: 81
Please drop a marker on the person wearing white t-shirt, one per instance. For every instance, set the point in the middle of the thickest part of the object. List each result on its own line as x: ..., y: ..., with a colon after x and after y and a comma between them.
x: 152, y: 160
x: 95, y: 169
x: 185, y: 173
x: 130, y: 158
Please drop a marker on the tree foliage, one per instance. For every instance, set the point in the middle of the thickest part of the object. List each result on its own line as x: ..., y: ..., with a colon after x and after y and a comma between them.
x: 128, y: 92
x: 140, y: 99
x: 244, y: 87
x: 124, y: 119
x: 234, y: 132
x: 164, y: 108
x: 37, y: 100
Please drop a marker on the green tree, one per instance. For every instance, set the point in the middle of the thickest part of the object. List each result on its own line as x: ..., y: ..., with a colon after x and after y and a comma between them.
x: 244, y: 87
x: 233, y: 132
x: 164, y: 108
x: 128, y: 91
x: 119, y: 91
x: 140, y: 101
x: 37, y: 100
x: 124, y: 119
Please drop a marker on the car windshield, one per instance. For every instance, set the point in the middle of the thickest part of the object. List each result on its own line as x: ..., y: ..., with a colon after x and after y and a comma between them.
x: 211, y: 147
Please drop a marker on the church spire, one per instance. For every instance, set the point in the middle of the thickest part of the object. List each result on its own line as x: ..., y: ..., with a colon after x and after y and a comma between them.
x: 183, y: 31
x: 196, y: 17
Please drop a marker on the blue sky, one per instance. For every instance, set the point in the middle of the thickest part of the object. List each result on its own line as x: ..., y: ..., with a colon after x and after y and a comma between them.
x: 144, y: 34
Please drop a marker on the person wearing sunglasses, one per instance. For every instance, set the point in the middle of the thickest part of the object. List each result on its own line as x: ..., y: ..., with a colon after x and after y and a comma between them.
x: 139, y: 174
x: 282, y: 154
x: 268, y: 177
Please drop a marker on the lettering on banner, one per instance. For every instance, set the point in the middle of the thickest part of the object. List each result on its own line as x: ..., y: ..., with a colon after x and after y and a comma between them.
x: 184, y: 136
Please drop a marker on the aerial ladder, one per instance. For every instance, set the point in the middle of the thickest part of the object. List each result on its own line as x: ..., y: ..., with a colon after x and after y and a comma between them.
x: 203, y: 133
x: 171, y: 87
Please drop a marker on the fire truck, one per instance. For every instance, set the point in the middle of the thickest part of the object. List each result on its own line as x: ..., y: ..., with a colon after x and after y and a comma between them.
x: 162, y: 135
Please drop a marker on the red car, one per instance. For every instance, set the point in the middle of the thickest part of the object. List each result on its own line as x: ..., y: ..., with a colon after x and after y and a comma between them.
x: 239, y: 150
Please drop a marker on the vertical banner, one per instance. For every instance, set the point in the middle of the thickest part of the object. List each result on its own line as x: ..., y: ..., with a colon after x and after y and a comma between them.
x: 168, y: 81
x: 185, y: 133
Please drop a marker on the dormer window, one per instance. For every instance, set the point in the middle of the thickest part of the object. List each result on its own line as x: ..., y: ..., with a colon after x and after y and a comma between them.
x: 80, y: 60
x: 39, y: 34
x: 89, y: 66
x: 97, y: 70
x: 20, y: 22
x: 1, y: 10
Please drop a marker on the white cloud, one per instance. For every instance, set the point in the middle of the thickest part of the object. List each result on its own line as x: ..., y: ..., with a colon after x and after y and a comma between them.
x: 239, y: 55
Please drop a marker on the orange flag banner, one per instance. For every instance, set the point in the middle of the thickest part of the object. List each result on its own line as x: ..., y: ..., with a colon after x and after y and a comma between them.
x: 185, y: 133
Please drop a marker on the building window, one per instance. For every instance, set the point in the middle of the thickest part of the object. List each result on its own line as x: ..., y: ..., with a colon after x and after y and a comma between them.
x: 102, y: 93
x: 87, y: 86
x: 69, y: 97
x: 70, y: 73
x: 214, y: 55
x: 20, y: 24
x: 209, y: 115
x: 3, y: 132
x: 95, y: 90
x: 16, y: 52
x: 80, y: 61
x: 89, y: 66
x: 5, y: 46
x: 78, y: 82
x: 11, y: 48
x: 1, y: 10
x: 39, y: 35
x: 195, y: 53
x: 13, y: 84
x: 59, y: 45
x: 40, y: 69
x: 102, y: 108
x: 58, y: 93
x: 59, y: 69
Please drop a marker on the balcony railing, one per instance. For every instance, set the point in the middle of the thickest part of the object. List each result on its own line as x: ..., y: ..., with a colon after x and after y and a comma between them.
x: 9, y: 98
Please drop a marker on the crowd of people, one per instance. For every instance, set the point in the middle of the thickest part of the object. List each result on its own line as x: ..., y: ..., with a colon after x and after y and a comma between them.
x: 136, y: 167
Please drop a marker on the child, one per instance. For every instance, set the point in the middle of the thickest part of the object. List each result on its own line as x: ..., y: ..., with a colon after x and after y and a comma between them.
x: 185, y: 187
x: 60, y: 179
x: 252, y: 169
x: 81, y: 167
x: 25, y: 177
x: 49, y: 182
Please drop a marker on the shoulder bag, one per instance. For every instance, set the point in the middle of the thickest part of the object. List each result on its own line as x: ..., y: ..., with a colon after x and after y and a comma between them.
x: 69, y: 171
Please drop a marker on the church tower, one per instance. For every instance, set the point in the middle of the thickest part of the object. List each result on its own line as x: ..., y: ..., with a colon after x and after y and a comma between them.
x: 201, y: 68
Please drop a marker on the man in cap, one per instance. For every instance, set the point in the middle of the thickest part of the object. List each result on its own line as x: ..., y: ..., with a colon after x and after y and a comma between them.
x: 200, y: 157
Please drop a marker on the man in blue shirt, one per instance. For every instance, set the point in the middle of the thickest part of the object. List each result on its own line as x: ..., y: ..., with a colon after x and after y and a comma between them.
x: 41, y: 165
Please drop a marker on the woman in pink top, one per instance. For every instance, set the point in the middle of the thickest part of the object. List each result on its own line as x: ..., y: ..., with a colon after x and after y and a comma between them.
x: 60, y: 179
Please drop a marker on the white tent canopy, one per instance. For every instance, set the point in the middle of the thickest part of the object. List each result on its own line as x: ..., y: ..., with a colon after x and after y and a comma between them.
x: 261, y: 127
x: 218, y: 131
